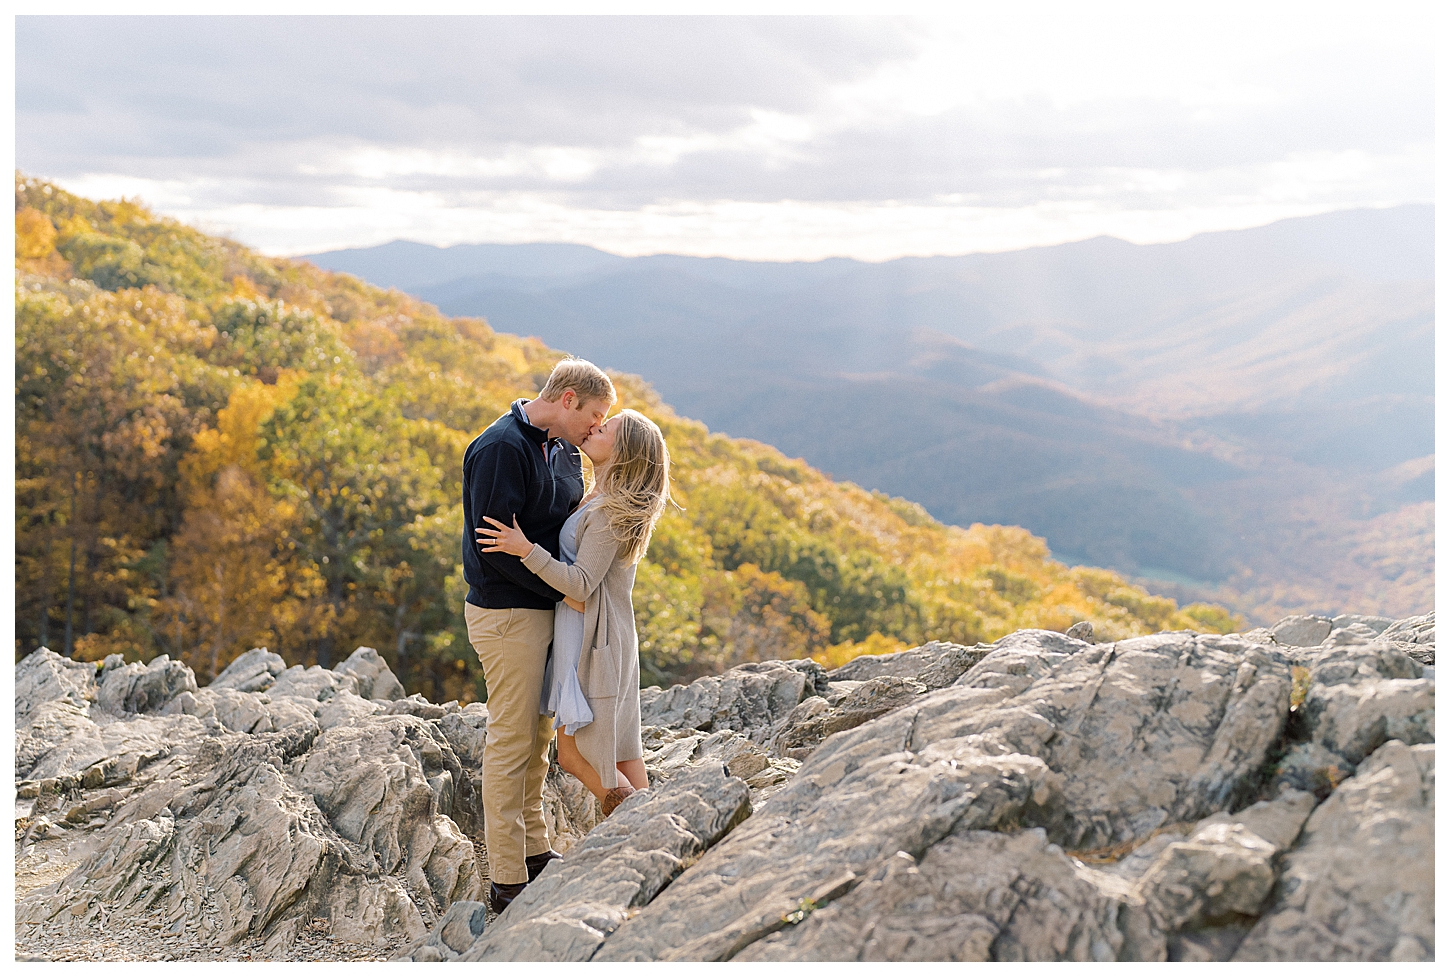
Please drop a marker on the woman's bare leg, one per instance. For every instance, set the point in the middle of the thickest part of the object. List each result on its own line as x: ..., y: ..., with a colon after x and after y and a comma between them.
x: 634, y: 772
x: 573, y: 762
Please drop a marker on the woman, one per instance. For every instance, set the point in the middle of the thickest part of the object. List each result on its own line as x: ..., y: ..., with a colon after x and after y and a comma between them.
x: 592, y: 685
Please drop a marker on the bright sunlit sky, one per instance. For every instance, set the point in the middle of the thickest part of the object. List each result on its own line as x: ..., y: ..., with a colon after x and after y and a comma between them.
x: 772, y: 138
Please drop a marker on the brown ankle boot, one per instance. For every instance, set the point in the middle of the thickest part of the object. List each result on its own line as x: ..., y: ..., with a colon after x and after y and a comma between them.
x: 614, y: 798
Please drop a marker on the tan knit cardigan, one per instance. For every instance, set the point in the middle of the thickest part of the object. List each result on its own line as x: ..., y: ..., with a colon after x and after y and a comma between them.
x: 609, y: 664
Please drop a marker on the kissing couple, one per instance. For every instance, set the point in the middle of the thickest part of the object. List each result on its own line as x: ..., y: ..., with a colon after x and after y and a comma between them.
x: 550, y: 561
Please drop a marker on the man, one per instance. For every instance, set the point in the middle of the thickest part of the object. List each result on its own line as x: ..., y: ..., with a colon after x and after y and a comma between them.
x: 526, y: 465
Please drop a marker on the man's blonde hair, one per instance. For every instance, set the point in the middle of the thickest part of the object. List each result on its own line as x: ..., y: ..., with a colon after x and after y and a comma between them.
x: 584, y: 378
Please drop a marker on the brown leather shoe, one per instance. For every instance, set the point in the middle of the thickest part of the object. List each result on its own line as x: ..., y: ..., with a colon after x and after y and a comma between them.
x: 537, y: 863
x: 499, y: 896
x: 615, y: 797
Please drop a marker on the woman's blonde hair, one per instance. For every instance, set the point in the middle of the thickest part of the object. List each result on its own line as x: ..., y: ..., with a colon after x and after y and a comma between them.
x: 635, y: 486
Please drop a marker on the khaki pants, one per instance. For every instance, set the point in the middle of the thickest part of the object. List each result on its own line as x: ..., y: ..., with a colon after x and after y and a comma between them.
x: 512, y: 645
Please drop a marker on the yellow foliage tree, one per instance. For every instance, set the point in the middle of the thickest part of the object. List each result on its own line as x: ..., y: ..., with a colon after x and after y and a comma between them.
x: 760, y: 616
x: 35, y: 245
x: 236, y: 584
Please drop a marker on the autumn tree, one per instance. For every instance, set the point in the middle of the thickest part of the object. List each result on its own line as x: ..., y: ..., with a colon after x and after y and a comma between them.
x: 760, y: 615
x: 236, y: 580
x: 109, y: 389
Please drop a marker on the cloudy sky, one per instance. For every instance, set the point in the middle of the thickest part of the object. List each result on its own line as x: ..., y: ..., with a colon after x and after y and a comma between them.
x: 763, y: 137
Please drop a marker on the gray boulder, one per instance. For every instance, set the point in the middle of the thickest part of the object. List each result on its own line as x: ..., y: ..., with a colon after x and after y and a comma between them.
x: 1224, y: 869
x: 753, y: 699
x: 930, y: 664
x: 578, y: 901
x: 1277, y: 822
x: 43, y: 676
x: 317, y: 684
x: 809, y: 723
x: 371, y: 675
x: 1375, y: 624
x: 1302, y: 630
x: 1415, y: 636
x: 1415, y: 630
x: 454, y: 933
x: 1361, y: 883
x: 252, y: 671
x: 142, y: 688
x: 1363, y: 695
x: 668, y: 752
x: 416, y: 705
x: 57, y: 738
x: 255, y: 712
x: 345, y: 708
x: 1351, y: 634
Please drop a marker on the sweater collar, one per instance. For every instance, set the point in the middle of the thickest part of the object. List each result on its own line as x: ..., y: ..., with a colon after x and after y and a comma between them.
x: 536, y: 434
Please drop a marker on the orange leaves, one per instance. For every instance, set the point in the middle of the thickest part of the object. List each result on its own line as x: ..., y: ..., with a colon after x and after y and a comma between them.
x: 761, y: 615
x: 236, y: 584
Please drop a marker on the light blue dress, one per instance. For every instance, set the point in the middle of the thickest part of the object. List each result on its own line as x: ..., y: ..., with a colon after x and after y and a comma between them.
x: 562, y: 695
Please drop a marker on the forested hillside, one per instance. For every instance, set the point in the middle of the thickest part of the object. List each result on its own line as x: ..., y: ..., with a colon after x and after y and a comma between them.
x: 216, y: 450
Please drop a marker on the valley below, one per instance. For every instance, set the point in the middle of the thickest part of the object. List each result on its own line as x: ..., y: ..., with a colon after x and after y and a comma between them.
x: 1245, y: 417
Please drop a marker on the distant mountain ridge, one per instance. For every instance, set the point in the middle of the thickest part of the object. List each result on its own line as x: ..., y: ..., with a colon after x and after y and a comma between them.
x: 1387, y: 244
x: 1170, y: 408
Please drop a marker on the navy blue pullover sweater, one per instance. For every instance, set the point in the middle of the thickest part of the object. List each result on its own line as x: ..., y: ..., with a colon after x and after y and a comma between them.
x: 506, y: 474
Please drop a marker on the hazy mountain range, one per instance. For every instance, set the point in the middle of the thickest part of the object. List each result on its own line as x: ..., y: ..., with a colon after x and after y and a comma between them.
x: 1245, y: 416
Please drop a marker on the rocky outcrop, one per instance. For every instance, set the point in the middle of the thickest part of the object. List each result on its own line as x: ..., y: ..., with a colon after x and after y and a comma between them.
x: 1360, y: 885
x: 1171, y: 797
x: 1363, y: 695
x: 124, y: 688
x: 252, y: 671
x: 753, y: 699
x: 453, y: 934
x: 1044, y: 732
x: 935, y: 664
x: 573, y: 907
x: 1414, y: 636
x: 845, y: 706
x: 226, y: 815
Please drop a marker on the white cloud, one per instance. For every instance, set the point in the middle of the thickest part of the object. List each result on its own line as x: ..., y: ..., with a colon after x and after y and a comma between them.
x: 750, y: 137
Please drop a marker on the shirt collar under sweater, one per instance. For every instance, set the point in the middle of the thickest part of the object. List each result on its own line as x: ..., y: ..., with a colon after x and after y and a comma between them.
x: 536, y: 434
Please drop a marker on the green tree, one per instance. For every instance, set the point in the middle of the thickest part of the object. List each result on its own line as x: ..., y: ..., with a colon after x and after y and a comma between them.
x: 263, y: 338
x: 349, y: 464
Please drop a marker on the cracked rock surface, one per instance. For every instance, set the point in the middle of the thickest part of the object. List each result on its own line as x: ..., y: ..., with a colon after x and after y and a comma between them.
x: 231, y: 817
x: 1265, y: 796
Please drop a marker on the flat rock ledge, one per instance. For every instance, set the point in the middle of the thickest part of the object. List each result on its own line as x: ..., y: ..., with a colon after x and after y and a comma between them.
x: 1264, y: 796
